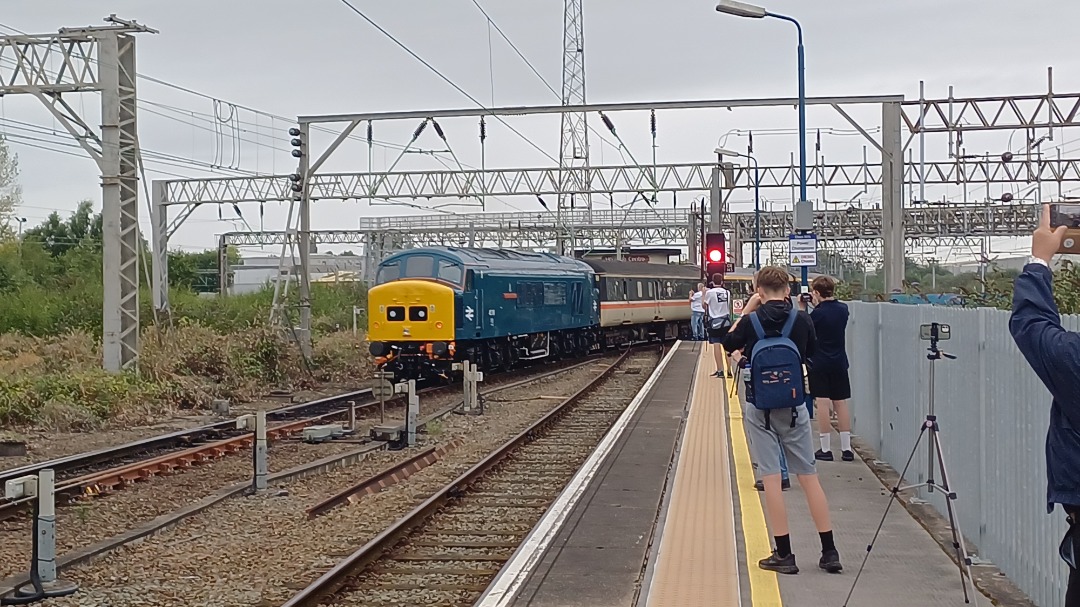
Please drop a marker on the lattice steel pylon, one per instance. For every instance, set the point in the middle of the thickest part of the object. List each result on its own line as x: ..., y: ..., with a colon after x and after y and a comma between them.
x: 89, y: 59
x: 574, y: 138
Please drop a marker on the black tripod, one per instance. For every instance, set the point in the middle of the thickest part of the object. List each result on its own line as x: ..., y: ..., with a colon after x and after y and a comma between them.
x: 933, y: 332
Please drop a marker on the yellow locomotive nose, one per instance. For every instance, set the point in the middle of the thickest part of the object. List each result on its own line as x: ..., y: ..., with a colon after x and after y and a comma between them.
x: 411, y: 310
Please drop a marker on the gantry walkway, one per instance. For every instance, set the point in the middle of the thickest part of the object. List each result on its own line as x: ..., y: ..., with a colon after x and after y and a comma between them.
x: 671, y: 519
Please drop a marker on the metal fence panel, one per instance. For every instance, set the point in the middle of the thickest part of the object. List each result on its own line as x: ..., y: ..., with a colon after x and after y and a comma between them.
x: 993, y: 413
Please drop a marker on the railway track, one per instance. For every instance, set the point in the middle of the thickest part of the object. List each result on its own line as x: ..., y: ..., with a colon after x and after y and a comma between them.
x: 106, y: 470
x: 449, y: 548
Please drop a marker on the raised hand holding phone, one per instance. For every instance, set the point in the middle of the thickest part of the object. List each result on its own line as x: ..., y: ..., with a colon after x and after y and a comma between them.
x: 1049, y: 237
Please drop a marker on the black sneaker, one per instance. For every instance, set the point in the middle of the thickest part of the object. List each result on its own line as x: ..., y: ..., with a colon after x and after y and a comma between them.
x: 830, y: 561
x: 784, y: 485
x: 847, y: 456
x: 760, y: 486
x: 825, y: 456
x: 784, y: 565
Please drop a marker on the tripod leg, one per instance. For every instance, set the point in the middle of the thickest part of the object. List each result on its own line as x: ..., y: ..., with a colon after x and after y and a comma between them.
x: 894, y: 492
x: 964, y: 562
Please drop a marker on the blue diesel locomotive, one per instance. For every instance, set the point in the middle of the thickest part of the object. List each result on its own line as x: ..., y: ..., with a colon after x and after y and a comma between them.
x: 432, y: 307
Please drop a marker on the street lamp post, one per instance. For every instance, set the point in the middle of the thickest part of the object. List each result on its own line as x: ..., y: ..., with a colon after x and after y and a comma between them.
x: 757, y: 201
x: 803, y: 217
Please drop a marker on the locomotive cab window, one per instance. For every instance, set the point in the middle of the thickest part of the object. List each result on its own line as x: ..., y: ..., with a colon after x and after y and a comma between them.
x: 554, y: 294
x: 419, y: 266
x: 388, y: 272
x: 395, y: 313
x: 450, y: 272
x: 418, y: 313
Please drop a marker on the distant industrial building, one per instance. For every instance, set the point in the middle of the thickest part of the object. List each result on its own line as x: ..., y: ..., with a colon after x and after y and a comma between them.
x: 254, y: 273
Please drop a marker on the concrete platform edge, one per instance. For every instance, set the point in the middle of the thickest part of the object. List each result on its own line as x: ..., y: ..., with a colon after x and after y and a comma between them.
x: 642, y: 598
x: 989, y: 580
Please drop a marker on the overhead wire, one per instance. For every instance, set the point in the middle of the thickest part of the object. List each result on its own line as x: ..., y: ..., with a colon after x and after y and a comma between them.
x: 558, y: 95
x: 445, y: 79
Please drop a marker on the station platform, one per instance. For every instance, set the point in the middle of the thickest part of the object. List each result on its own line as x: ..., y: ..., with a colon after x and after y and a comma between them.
x: 668, y: 516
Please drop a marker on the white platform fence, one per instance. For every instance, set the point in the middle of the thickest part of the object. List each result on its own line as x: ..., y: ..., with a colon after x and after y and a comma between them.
x: 993, y: 412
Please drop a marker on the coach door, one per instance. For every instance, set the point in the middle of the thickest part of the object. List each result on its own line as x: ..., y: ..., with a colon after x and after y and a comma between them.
x: 655, y: 298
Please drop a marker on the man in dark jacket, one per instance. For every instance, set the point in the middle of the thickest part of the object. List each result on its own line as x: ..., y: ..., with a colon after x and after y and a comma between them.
x: 778, y: 429
x: 1054, y: 355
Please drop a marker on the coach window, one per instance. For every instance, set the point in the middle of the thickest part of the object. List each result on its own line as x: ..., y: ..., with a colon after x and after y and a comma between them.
x: 626, y: 290
x: 388, y: 272
x: 640, y: 295
x: 419, y: 266
x: 450, y: 272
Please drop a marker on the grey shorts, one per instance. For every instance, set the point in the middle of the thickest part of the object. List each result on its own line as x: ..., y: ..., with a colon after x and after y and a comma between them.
x: 765, y: 445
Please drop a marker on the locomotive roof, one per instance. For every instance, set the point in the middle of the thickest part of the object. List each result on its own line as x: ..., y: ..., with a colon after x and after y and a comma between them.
x: 498, y: 259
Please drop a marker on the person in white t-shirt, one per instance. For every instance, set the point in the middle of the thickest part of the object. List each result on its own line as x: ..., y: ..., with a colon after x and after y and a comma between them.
x: 697, y: 312
x: 718, y: 322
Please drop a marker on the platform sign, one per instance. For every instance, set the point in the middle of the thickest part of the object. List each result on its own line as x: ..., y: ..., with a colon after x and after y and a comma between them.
x: 802, y: 250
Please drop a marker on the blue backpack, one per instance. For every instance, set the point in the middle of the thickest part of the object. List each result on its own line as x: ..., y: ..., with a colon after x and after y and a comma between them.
x: 776, y: 369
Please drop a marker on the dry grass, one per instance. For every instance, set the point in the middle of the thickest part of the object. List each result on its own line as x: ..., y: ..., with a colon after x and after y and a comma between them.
x: 56, y: 382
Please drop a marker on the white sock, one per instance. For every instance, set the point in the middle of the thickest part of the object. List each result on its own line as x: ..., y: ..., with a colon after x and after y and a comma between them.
x: 825, y: 446
x: 845, y: 441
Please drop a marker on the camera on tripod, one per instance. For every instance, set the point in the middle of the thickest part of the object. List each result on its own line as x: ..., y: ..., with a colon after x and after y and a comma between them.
x: 935, y: 332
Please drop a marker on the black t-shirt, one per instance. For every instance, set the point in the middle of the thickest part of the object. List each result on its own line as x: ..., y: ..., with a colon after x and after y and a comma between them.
x: 773, y: 315
x: 830, y: 325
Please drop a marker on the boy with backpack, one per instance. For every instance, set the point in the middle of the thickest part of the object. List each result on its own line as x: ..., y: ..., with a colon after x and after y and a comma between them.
x: 779, y: 340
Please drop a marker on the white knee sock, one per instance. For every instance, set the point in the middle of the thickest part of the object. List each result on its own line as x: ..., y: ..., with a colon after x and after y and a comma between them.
x: 845, y: 441
x: 825, y: 446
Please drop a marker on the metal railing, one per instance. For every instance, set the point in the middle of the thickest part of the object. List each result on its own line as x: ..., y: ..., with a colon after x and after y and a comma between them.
x: 994, y: 414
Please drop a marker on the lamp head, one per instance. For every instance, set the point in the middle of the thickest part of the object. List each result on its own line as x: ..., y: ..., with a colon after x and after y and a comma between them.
x: 741, y: 9
x: 725, y: 152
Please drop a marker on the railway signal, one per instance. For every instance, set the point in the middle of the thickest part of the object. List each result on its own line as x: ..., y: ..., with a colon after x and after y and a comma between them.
x: 299, y: 152
x: 715, y: 255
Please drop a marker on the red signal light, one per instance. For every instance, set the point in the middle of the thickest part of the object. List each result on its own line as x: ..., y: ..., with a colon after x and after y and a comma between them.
x: 716, y: 255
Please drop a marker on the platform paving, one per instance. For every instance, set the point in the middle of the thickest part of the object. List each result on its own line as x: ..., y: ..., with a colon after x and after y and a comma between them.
x: 596, y: 559
x: 907, y: 567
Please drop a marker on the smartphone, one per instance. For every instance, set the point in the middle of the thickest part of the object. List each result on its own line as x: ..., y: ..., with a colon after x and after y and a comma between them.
x: 1068, y: 215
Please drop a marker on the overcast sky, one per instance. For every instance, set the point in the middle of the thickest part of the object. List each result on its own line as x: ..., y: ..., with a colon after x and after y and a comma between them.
x: 291, y: 58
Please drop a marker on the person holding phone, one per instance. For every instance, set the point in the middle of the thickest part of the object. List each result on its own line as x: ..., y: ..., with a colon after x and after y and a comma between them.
x: 1054, y: 355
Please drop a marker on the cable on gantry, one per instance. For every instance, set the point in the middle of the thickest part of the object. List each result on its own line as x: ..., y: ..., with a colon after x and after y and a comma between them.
x: 370, y: 146
x: 622, y: 145
x: 652, y: 126
x: 483, y: 162
x: 468, y: 180
x: 416, y: 135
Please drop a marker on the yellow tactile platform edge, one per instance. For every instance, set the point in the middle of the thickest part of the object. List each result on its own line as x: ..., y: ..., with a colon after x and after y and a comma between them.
x: 697, y: 565
x: 764, y: 585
